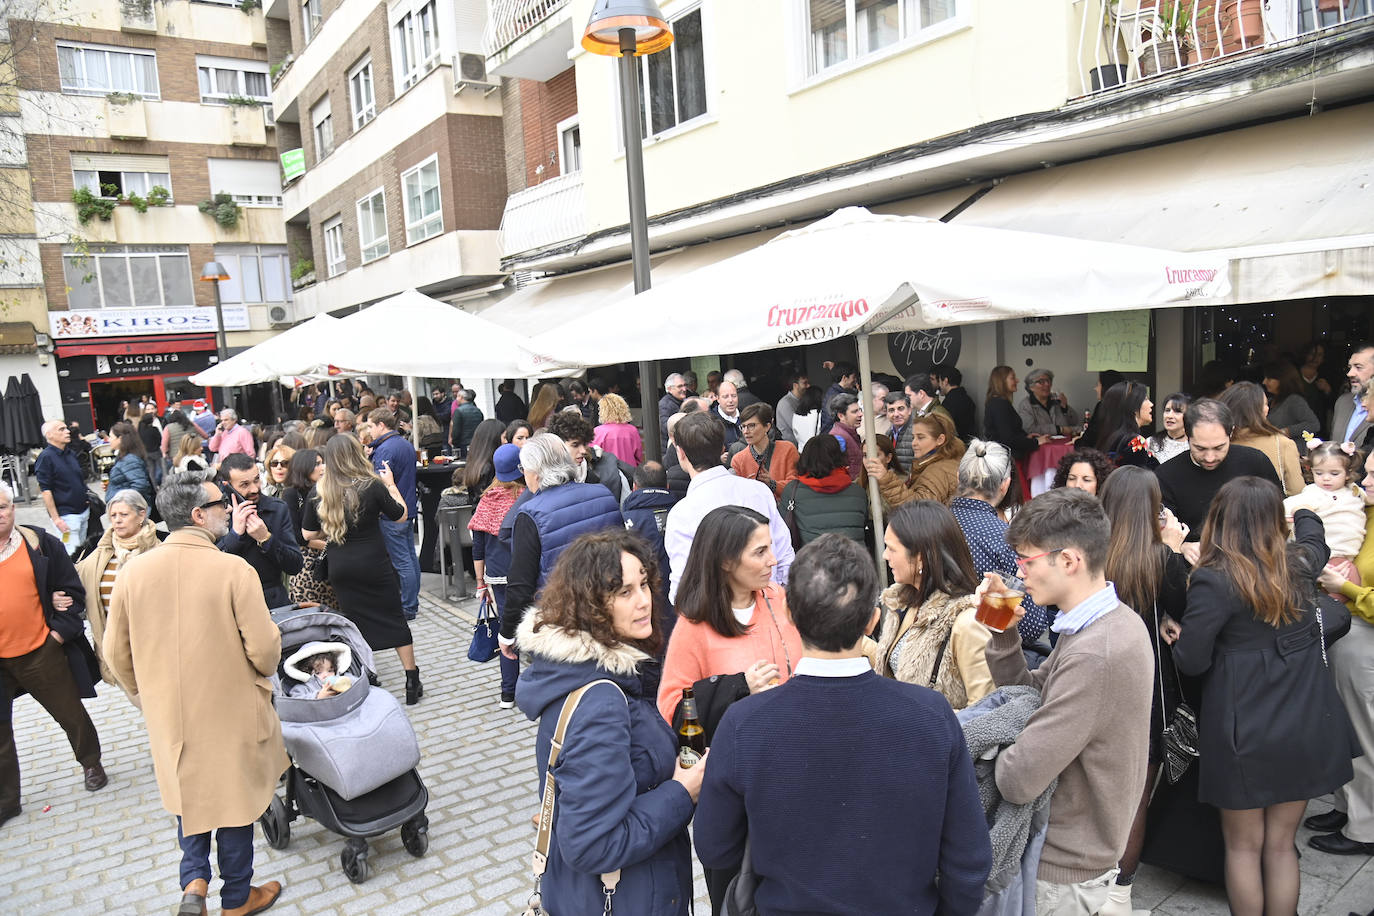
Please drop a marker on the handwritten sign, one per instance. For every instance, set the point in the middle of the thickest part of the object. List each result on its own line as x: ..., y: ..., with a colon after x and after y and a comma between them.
x: 921, y: 351
x: 1120, y: 341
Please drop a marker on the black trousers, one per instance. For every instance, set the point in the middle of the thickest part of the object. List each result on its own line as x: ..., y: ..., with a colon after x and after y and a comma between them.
x: 44, y: 673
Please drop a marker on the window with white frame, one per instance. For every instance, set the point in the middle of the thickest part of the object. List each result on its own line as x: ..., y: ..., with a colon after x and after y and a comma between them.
x: 672, y: 83
x: 839, y: 31
x: 361, y: 98
x: 423, y: 209
x: 311, y: 18
x: 335, y: 261
x: 415, y: 44
x: 372, y: 234
x: 257, y: 273
x: 96, y: 70
x: 225, y: 78
x: 569, y: 146
x: 251, y: 182
x: 114, y: 276
x: 119, y: 174
x: 323, y: 128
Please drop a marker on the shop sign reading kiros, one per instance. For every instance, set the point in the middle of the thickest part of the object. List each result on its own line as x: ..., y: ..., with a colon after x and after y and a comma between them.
x: 135, y: 321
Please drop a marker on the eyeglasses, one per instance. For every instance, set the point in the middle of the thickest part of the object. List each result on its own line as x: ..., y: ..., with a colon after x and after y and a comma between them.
x: 1023, y: 562
x: 222, y: 502
x: 278, y: 463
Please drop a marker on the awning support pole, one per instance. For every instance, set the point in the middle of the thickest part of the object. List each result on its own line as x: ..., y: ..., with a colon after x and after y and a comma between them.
x: 875, y: 499
x: 412, y: 386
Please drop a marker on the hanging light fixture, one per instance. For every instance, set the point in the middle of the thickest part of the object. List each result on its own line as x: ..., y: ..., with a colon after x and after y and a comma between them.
x: 609, y: 17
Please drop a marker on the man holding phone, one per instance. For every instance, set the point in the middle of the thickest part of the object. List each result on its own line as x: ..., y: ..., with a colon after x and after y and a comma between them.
x: 260, y: 529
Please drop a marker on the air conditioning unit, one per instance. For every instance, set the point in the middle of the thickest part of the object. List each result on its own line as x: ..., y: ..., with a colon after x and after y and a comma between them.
x: 281, y: 315
x: 268, y: 116
x: 470, y: 72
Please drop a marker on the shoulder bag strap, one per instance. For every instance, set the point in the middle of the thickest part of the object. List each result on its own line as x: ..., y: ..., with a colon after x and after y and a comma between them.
x: 940, y: 656
x: 609, y: 880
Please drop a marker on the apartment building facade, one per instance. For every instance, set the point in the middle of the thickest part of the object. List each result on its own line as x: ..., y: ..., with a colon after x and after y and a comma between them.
x: 396, y: 136
x: 1241, y: 127
x: 150, y: 148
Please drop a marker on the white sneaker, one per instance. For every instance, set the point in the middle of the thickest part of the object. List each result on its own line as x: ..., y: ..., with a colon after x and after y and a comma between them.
x: 507, y: 702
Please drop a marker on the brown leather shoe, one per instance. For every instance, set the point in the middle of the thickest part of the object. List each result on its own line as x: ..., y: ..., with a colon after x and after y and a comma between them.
x: 95, y: 778
x: 193, y: 899
x: 259, y: 899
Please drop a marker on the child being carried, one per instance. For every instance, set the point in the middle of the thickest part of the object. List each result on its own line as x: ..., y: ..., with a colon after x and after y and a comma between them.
x: 316, y: 665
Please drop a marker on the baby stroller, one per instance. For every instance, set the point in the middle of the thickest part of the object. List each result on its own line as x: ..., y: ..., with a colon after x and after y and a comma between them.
x: 353, y: 755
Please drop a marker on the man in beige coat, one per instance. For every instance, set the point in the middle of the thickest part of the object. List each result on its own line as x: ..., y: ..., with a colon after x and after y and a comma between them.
x: 189, y: 633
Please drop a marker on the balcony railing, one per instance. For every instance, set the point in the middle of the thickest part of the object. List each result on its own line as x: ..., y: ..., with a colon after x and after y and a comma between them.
x: 1123, y: 41
x: 552, y: 211
x: 509, y: 19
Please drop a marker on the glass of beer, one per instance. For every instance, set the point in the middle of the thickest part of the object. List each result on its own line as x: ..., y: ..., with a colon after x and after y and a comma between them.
x: 997, y: 609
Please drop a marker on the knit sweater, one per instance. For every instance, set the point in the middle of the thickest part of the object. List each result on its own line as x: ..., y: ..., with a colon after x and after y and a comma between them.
x: 697, y: 651
x: 1187, y: 489
x: 1092, y: 731
x: 856, y: 794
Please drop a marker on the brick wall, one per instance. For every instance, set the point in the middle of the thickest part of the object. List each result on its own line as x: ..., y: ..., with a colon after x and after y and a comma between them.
x: 177, y: 78
x: 471, y: 183
x: 513, y: 128
x: 333, y: 80
x: 542, y: 106
x: 55, y: 284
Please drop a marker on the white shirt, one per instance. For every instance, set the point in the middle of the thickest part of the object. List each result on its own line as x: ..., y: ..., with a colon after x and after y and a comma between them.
x: 832, y: 667
x: 8, y: 549
x: 745, y: 615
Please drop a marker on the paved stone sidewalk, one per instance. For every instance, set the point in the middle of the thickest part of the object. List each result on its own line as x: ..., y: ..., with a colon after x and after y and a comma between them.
x: 115, y: 852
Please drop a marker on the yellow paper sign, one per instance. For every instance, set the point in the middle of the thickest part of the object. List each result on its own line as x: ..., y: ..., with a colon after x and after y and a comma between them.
x: 1120, y: 341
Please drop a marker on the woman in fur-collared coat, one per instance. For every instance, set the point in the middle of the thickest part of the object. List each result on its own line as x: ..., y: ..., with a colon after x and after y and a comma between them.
x: 928, y: 632
x: 622, y: 799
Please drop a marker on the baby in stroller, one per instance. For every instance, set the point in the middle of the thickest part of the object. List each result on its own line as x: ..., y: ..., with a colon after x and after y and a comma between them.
x: 316, y: 665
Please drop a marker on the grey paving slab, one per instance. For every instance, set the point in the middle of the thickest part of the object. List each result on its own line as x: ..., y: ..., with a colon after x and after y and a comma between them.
x: 115, y: 852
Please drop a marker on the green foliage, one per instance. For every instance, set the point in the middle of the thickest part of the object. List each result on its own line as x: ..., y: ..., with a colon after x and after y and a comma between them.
x: 138, y: 203
x: 89, y: 206
x: 158, y: 196
x: 243, y: 101
x: 247, y: 6
x: 123, y: 98
x: 276, y: 68
x: 223, y: 209
x: 302, y: 268
x: 1176, y: 20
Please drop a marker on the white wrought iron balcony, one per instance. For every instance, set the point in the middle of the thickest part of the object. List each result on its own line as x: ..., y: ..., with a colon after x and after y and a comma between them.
x: 529, y: 39
x: 1123, y: 41
x: 552, y: 211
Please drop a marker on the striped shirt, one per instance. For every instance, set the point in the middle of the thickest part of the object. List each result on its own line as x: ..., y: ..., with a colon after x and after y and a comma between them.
x: 107, y: 582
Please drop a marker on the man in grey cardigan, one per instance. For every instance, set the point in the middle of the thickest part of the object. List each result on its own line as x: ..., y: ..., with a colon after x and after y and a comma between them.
x: 1092, y: 729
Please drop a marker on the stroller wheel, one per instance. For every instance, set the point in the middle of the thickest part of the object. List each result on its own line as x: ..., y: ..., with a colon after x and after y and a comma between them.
x: 276, y: 826
x: 354, y: 861
x: 415, y: 836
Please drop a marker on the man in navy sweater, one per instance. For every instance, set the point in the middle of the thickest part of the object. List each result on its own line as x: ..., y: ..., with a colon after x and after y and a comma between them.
x: 856, y: 793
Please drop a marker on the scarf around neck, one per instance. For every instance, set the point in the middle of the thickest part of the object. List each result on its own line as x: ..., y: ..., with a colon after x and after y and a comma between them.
x: 144, y: 539
x: 833, y: 482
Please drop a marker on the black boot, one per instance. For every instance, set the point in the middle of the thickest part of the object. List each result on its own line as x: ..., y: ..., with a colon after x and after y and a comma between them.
x: 413, y: 688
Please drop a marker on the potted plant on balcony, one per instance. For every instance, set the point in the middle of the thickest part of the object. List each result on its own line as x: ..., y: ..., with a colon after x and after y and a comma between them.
x: 1238, y: 25
x: 1174, y: 37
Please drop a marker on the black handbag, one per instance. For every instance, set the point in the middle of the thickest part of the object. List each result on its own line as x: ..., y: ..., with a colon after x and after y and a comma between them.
x: 739, y: 893
x: 1179, y: 739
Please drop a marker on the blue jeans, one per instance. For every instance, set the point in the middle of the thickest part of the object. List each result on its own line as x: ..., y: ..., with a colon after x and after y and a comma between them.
x: 400, y: 546
x: 510, y: 667
x: 235, y: 845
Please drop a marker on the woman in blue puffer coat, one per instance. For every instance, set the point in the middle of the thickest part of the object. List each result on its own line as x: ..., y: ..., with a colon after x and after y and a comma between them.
x: 130, y: 470
x: 622, y: 801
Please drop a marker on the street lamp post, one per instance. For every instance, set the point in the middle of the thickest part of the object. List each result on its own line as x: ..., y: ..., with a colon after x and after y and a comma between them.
x: 214, y: 272
x: 627, y: 29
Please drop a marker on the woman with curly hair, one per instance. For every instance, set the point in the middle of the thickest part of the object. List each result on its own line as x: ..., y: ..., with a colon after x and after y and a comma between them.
x: 623, y: 799
x: 352, y: 499
x: 617, y: 433
x: 1083, y: 469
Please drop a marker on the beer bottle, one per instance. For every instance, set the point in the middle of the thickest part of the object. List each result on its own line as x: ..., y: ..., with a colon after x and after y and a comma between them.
x: 691, y: 736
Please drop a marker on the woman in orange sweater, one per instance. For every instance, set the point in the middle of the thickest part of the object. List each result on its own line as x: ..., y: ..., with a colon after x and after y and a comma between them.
x: 735, y: 636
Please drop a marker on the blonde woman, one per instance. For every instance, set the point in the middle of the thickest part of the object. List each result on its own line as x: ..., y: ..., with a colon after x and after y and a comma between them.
x: 130, y: 534
x: 275, y: 466
x: 352, y: 498
x: 617, y: 433
x: 190, y: 454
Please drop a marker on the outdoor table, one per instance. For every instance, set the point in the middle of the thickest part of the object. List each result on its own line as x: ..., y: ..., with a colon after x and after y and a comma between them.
x: 1041, y: 464
x: 431, y: 481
